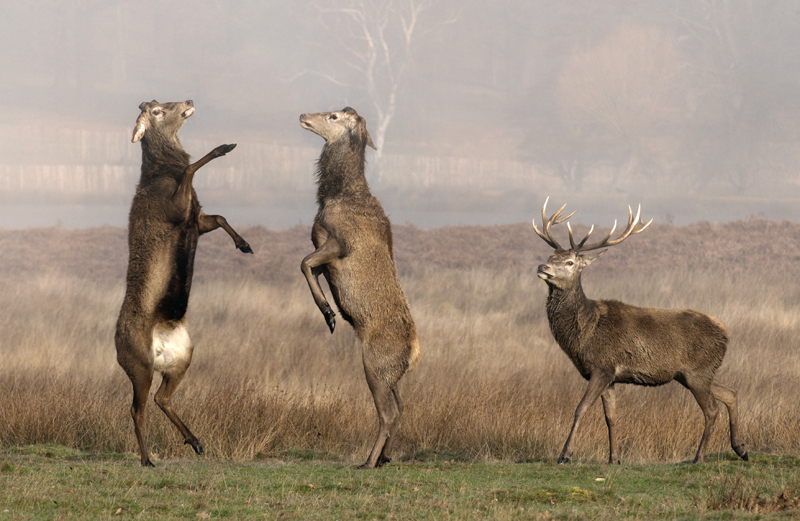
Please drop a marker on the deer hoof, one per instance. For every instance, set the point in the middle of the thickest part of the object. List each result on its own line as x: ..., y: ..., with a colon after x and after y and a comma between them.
x: 562, y: 460
x: 244, y: 247
x: 198, y: 448
x: 330, y: 318
x: 147, y: 463
x: 741, y: 452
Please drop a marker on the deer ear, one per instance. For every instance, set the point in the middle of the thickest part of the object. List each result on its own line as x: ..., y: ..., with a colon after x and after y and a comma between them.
x: 140, y: 127
x: 589, y: 258
x: 369, y: 139
x: 361, y: 128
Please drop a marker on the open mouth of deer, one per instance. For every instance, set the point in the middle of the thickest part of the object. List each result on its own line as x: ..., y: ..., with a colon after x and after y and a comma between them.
x: 541, y: 272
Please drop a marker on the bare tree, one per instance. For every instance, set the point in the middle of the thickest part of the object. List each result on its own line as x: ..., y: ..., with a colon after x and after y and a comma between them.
x: 375, y: 40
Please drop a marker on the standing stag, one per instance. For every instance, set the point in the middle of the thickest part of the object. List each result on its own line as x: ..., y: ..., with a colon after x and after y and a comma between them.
x: 163, y: 226
x: 353, y: 241
x: 610, y: 342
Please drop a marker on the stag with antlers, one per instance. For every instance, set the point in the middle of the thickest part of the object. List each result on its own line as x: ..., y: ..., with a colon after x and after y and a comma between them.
x: 610, y: 342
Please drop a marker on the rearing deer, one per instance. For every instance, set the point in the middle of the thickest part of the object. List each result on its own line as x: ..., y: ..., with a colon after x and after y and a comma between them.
x: 163, y: 226
x: 354, y: 252
x: 610, y: 342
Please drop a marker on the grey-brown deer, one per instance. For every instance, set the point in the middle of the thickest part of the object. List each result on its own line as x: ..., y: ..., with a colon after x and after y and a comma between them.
x: 163, y: 226
x: 610, y: 342
x: 354, y: 252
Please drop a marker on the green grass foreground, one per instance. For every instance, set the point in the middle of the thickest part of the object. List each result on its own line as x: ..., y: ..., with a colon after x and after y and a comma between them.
x: 54, y: 482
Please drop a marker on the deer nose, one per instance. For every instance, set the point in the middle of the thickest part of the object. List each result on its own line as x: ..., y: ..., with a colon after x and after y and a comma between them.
x: 542, y: 268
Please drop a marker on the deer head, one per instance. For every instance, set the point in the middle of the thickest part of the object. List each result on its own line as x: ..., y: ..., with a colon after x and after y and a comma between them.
x: 564, y: 267
x: 165, y: 118
x: 338, y: 125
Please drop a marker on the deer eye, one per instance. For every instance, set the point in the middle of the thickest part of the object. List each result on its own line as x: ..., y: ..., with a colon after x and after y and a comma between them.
x: 569, y: 263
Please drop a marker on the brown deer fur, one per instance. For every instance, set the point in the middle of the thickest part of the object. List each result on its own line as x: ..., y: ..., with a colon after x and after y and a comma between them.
x: 164, y: 223
x: 353, y: 241
x: 610, y: 342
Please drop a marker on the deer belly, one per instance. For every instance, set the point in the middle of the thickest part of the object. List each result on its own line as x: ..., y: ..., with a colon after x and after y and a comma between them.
x: 172, y: 347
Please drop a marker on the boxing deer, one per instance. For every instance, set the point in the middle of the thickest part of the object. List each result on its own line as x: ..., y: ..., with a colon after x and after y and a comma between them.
x: 164, y: 223
x: 353, y: 241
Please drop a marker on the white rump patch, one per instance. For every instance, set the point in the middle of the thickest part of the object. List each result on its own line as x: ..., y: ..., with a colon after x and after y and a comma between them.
x: 172, y: 346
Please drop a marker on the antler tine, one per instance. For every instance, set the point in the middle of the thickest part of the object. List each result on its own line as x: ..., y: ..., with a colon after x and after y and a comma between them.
x: 572, y: 242
x: 634, y: 226
x: 556, y: 218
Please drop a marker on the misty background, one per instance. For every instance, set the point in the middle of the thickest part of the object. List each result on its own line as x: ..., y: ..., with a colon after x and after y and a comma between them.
x: 480, y: 109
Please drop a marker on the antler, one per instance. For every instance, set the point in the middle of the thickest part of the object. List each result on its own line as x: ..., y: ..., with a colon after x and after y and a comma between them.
x: 556, y: 218
x: 635, y: 225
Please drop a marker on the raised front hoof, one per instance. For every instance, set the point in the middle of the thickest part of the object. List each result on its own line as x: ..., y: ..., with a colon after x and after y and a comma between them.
x: 244, y: 247
x: 330, y: 319
x: 222, y: 150
x: 198, y: 448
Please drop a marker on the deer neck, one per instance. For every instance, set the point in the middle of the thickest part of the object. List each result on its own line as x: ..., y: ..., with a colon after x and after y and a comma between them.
x: 340, y: 173
x: 161, y: 155
x: 572, y: 317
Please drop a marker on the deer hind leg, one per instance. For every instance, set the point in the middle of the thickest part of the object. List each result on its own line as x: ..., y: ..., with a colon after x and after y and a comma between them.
x: 728, y: 396
x: 169, y: 383
x: 173, y: 354
x: 705, y: 399
x: 389, y: 409
x: 141, y: 378
x: 386, y: 452
x: 610, y: 410
x: 597, y: 386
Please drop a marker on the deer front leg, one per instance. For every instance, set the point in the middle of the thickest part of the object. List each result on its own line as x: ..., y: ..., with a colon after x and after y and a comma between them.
x: 183, y: 195
x: 597, y: 385
x: 209, y: 223
x: 311, y: 267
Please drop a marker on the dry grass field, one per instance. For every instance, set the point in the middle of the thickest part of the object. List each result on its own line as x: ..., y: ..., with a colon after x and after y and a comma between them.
x: 268, y: 377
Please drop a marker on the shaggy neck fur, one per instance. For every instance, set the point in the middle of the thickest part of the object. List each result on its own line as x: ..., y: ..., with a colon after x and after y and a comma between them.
x: 570, y: 315
x: 340, y: 170
x: 162, y: 154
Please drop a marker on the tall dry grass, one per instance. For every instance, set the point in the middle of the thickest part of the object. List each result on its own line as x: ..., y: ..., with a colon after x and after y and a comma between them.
x: 267, y: 375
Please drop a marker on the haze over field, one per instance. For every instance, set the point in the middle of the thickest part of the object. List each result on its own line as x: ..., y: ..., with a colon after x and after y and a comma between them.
x: 479, y: 110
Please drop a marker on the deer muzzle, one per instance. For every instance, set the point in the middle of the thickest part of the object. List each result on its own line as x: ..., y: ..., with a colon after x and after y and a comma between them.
x: 541, y: 272
x: 189, y: 104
